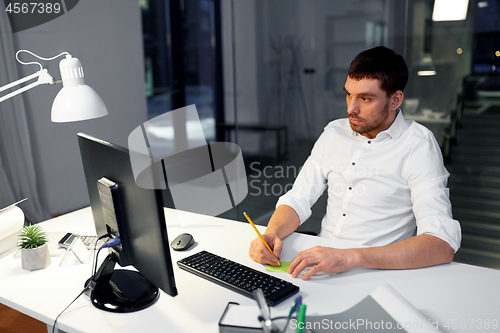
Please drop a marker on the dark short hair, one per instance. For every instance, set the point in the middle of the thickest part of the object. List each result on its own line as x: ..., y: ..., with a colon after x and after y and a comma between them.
x: 383, y: 64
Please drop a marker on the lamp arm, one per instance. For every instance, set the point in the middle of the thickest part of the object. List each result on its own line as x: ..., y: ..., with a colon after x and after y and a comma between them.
x: 43, y: 78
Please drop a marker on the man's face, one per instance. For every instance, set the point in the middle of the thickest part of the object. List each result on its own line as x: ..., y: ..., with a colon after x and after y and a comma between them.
x: 369, y: 109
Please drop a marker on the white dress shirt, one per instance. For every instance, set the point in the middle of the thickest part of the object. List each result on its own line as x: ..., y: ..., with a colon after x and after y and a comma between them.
x: 381, y: 190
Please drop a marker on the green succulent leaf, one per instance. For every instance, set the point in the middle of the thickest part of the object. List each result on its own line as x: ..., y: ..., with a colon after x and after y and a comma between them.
x: 32, y: 237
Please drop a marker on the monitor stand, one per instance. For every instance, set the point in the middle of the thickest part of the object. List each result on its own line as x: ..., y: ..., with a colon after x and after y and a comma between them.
x: 120, y: 290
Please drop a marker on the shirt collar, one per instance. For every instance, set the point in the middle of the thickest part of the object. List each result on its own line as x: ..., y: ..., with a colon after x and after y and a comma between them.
x: 396, y: 129
x: 398, y: 126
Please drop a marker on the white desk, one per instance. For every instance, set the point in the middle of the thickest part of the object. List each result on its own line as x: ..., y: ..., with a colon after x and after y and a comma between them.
x: 444, y: 293
x: 429, y: 118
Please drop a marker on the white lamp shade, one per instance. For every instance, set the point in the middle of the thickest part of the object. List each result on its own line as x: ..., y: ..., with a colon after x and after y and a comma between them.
x: 77, y: 103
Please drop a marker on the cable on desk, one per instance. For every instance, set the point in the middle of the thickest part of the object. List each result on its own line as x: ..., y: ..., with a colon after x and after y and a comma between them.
x: 110, y: 243
x: 55, y: 321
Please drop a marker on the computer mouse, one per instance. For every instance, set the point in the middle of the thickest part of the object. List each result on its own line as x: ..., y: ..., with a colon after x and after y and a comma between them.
x: 182, y: 242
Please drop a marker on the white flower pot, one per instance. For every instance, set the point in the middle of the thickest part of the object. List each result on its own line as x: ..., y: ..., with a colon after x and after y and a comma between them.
x: 34, y: 259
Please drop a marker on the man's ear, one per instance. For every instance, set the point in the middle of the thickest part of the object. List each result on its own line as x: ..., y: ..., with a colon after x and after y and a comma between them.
x: 397, y: 99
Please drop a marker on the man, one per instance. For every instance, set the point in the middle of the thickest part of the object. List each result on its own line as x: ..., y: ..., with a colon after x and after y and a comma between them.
x: 385, y: 179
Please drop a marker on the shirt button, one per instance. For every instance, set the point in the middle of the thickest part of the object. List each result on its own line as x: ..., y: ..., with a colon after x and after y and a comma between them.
x: 353, y: 163
x: 350, y: 188
x: 369, y: 142
x: 343, y: 214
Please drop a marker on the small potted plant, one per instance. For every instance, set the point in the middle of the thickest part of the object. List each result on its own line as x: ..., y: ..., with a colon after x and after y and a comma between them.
x: 34, y: 249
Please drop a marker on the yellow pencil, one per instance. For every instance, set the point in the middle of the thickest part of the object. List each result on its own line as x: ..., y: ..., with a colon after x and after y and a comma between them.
x: 258, y: 233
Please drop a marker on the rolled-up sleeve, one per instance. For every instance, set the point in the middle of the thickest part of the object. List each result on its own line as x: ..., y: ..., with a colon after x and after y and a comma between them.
x: 427, y: 179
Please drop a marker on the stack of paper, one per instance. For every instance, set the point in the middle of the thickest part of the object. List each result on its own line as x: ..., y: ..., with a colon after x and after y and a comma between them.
x: 11, y: 223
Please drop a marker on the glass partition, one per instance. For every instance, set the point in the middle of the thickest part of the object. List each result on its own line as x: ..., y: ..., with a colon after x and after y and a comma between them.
x: 285, y: 65
x: 182, y: 60
x: 269, y: 76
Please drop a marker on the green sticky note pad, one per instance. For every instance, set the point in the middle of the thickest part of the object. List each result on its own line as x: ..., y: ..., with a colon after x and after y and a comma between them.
x: 283, y: 268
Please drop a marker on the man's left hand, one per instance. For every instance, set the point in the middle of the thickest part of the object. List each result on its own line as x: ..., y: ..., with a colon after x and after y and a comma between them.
x: 323, y: 260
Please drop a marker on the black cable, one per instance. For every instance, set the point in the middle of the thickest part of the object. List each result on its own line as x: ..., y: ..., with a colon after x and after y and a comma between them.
x: 55, y: 321
x: 95, y: 266
x: 94, y: 258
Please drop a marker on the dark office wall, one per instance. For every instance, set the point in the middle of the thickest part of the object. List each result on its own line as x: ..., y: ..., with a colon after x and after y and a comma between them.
x: 260, y: 60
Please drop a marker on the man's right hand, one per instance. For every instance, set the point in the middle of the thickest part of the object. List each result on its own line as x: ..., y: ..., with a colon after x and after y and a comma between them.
x: 259, y: 252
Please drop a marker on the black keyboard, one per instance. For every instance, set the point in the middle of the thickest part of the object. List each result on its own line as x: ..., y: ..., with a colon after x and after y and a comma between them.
x: 237, y: 277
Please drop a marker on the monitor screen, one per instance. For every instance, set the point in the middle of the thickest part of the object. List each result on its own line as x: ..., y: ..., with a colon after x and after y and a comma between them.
x: 143, y: 219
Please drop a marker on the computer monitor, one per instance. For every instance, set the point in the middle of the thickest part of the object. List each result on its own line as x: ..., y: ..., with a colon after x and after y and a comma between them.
x: 143, y: 222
